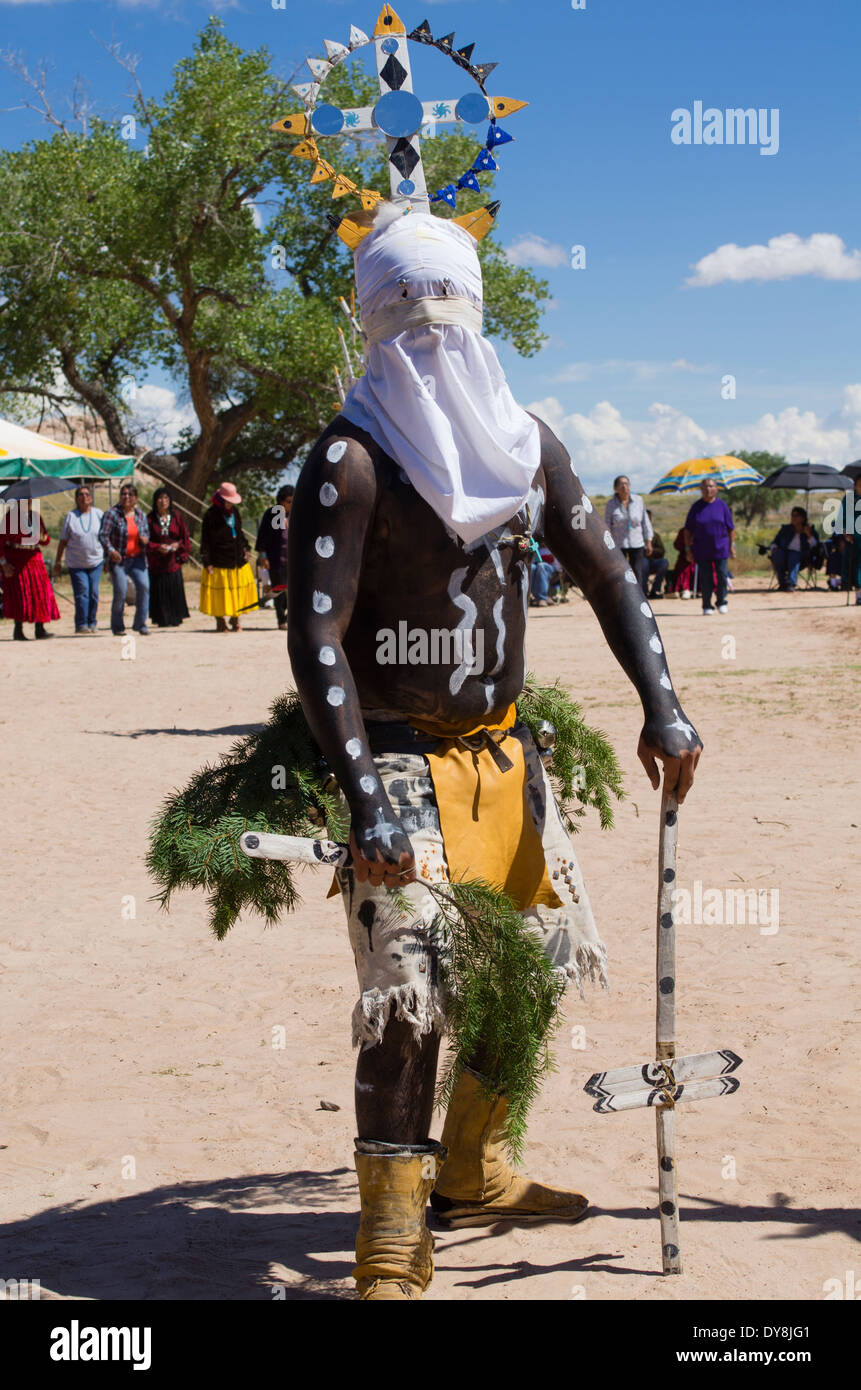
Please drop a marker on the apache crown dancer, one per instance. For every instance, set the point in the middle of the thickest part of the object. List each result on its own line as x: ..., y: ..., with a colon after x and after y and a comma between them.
x: 421, y: 505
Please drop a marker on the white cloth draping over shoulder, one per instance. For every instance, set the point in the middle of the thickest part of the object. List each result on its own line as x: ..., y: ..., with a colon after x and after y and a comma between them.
x: 434, y: 397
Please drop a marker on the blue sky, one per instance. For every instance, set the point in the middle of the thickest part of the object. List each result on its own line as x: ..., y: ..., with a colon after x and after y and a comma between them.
x: 675, y: 295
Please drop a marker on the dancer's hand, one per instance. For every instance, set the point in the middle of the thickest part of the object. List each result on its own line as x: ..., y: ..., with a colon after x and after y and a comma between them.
x: 381, y: 852
x: 677, y: 745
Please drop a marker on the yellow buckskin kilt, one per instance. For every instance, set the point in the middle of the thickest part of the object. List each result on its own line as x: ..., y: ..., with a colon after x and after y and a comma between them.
x: 225, y: 592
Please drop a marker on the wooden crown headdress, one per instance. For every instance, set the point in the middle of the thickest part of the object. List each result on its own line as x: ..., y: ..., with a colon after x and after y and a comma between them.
x: 400, y: 117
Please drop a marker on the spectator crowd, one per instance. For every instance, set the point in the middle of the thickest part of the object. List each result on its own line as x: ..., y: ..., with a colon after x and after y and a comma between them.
x: 151, y: 549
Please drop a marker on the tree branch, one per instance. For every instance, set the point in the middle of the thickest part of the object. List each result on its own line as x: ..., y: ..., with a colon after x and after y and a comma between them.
x: 38, y: 82
x: 94, y: 393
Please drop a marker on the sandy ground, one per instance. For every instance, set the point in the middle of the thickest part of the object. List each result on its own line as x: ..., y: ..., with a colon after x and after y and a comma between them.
x: 156, y: 1145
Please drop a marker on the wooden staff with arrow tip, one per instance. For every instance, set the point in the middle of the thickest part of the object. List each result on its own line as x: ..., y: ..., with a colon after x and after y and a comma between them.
x: 668, y: 1080
x: 662, y: 1084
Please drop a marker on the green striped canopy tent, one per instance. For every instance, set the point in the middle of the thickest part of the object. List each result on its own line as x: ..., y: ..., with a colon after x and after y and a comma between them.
x: 25, y: 454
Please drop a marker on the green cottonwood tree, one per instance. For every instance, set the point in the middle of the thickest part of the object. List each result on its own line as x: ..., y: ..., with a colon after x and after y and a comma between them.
x: 754, y: 503
x: 116, y: 259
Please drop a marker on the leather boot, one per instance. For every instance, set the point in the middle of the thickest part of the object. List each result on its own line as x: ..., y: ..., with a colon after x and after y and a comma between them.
x: 394, y: 1248
x: 18, y: 633
x: 478, y: 1187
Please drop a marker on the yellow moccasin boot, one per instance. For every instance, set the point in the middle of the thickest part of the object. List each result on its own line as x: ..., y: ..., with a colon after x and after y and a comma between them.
x: 394, y: 1248
x: 477, y: 1186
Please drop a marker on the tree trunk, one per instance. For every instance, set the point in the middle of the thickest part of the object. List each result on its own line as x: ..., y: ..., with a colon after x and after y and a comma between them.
x: 195, y: 479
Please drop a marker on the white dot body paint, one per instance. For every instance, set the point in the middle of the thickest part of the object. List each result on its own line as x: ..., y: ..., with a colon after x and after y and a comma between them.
x: 665, y: 680
x: 336, y: 451
x: 630, y: 577
x: 327, y: 656
x: 587, y: 505
x: 655, y: 643
x: 645, y: 610
x: 328, y: 495
x: 325, y: 547
x: 353, y: 747
x: 368, y: 784
x: 321, y: 602
x: 335, y: 695
x: 608, y: 541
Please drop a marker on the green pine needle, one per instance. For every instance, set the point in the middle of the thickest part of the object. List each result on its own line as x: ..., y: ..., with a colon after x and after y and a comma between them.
x: 268, y: 783
x: 584, y: 769
x: 501, y: 999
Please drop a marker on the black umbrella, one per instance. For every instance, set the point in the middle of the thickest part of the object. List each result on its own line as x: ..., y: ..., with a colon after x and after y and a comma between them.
x: 36, y: 487
x: 852, y: 470
x: 808, y: 477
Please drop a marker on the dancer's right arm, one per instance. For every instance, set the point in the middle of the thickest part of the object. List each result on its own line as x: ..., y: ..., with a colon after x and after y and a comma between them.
x: 333, y: 509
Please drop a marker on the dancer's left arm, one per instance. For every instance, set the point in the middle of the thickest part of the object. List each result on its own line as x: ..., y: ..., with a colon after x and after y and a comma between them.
x: 582, y: 543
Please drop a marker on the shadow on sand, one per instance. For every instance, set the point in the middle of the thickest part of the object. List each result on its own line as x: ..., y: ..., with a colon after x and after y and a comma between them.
x: 230, y: 1239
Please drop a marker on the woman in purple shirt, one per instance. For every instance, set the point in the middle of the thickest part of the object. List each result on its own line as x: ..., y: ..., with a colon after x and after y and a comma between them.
x: 709, y: 531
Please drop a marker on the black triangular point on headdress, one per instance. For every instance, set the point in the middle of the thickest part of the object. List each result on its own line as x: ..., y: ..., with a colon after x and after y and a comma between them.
x: 492, y: 208
x: 481, y: 71
x: 333, y: 221
x: 464, y: 54
x: 422, y: 34
x: 445, y: 43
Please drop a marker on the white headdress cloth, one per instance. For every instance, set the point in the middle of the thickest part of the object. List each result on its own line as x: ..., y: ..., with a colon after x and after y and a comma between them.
x: 434, y: 396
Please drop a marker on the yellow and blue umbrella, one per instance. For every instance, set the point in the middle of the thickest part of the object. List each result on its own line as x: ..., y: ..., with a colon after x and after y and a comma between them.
x: 726, y: 470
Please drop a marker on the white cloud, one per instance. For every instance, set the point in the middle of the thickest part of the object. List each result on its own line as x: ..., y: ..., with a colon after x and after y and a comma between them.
x: 602, y: 443
x: 534, y: 250
x: 823, y: 254
x: 157, y: 418
x: 681, y: 364
x: 575, y: 371
x: 640, y: 369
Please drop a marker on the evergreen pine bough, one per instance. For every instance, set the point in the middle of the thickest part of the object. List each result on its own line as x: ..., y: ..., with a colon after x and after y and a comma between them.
x: 502, y: 995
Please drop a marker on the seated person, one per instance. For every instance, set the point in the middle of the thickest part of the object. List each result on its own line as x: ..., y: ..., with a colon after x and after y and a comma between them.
x: 795, y: 545
x: 658, y: 565
x: 548, y: 581
x: 682, y: 578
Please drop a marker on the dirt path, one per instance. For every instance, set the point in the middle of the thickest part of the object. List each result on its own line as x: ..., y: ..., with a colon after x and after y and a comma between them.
x: 156, y: 1145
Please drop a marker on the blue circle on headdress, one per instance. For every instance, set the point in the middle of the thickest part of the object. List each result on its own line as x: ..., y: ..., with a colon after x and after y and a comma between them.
x: 406, y: 186
x: 473, y: 108
x: 398, y: 114
x: 389, y: 45
x: 327, y: 120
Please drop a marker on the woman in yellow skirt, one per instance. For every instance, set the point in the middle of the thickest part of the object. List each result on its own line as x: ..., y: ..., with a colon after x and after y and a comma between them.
x: 227, y: 585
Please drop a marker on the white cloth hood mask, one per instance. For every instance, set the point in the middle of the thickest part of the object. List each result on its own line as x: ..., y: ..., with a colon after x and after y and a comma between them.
x: 434, y: 396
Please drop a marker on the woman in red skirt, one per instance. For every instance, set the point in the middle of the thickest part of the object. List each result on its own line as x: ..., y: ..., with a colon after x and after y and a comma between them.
x: 27, y: 593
